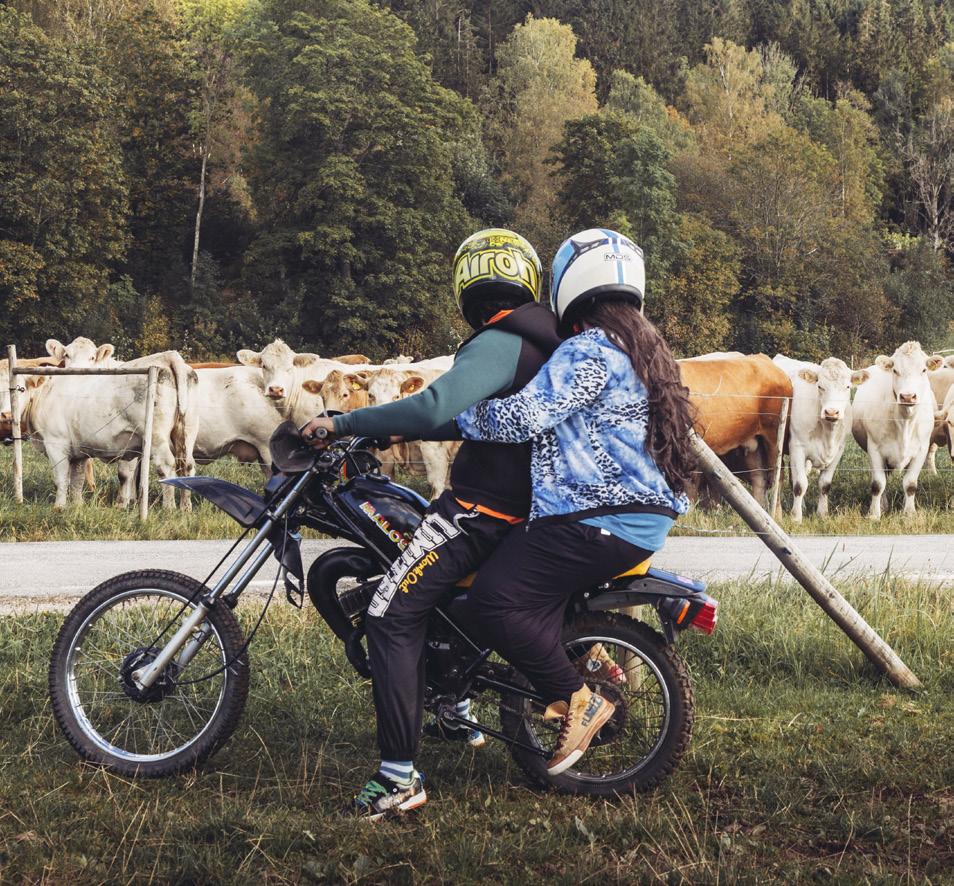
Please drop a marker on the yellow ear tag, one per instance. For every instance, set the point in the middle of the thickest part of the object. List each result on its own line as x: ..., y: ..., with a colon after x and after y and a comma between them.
x: 355, y: 386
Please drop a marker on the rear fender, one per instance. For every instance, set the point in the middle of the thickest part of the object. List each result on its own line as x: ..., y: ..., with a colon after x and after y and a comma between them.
x: 650, y: 588
x: 676, y: 599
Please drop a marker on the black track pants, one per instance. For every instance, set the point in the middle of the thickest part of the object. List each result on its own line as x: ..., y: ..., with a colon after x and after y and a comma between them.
x: 451, y: 543
x: 520, y: 595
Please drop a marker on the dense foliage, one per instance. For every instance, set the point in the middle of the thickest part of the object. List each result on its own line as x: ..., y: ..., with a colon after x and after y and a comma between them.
x: 212, y: 173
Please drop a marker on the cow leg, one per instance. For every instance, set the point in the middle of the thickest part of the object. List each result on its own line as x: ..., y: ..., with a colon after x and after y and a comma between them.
x: 435, y: 466
x: 824, y: 487
x: 798, y: 466
x: 757, y: 473
x: 77, y: 479
x: 164, y: 462
x: 60, y: 464
x: 932, y: 459
x: 126, y: 469
x: 878, y: 481
x: 909, y: 479
x: 265, y: 462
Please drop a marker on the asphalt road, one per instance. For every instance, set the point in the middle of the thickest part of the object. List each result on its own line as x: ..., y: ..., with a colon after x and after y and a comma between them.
x: 43, y: 573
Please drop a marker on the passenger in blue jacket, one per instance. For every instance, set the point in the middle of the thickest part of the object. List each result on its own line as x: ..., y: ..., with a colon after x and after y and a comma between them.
x: 608, y: 420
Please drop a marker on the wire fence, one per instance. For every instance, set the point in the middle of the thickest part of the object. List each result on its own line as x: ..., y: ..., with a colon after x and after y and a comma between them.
x: 417, y: 466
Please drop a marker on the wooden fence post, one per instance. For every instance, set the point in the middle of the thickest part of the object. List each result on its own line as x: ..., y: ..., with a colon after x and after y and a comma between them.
x: 151, y: 377
x: 811, y: 579
x: 15, y: 417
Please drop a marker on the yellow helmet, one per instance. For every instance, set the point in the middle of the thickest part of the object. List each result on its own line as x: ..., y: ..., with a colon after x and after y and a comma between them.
x: 495, y: 267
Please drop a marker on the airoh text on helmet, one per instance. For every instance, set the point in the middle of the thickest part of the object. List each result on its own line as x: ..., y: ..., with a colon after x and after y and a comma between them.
x: 495, y: 267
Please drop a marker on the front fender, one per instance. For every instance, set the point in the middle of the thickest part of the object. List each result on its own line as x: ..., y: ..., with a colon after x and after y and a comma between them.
x: 244, y: 506
x: 247, y: 509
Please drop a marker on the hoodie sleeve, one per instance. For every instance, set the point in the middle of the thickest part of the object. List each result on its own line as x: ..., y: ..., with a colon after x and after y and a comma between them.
x: 482, y: 367
x: 569, y: 381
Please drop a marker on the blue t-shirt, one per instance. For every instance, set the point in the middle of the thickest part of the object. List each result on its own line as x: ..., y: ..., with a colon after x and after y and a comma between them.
x: 646, y: 531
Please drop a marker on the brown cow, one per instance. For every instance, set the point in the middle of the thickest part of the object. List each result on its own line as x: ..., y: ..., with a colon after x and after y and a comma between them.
x: 738, y: 402
x: 341, y: 392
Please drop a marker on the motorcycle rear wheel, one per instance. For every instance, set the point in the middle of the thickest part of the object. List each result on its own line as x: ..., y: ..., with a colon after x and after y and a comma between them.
x: 647, y: 737
x: 176, y: 724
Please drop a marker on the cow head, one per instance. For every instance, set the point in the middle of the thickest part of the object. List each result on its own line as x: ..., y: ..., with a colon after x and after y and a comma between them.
x: 79, y: 352
x: 833, y: 380
x: 277, y: 362
x: 908, y: 366
x: 341, y: 392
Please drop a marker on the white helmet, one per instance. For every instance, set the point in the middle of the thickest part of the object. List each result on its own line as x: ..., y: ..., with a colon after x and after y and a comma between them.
x: 596, y: 263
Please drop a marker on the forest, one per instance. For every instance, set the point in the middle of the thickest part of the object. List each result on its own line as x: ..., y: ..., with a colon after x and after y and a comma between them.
x: 210, y: 174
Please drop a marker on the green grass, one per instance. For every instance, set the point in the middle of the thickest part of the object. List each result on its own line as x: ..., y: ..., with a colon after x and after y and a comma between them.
x: 804, y: 765
x: 35, y: 519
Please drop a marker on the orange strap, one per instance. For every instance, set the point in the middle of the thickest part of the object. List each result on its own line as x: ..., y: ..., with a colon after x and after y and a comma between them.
x: 499, y: 316
x: 513, y: 521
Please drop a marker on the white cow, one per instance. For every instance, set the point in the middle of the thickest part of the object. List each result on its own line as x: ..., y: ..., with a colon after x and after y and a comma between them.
x: 230, y: 417
x: 73, y: 418
x: 942, y: 380
x: 893, y: 420
x: 394, y: 383
x: 818, y: 423
x: 234, y: 416
x: 82, y: 351
x: 284, y: 373
x: 944, y: 423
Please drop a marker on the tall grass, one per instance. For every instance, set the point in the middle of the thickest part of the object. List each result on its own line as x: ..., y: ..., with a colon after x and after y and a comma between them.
x: 35, y: 520
x: 804, y: 765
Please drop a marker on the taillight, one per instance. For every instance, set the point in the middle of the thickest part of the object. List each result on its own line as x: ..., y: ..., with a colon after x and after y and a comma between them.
x: 707, y: 616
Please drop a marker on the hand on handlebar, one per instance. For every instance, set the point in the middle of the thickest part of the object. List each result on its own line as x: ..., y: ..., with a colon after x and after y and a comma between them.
x: 319, y: 432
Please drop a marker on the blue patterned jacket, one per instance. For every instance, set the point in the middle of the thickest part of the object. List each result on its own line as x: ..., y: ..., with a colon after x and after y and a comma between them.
x: 586, y: 415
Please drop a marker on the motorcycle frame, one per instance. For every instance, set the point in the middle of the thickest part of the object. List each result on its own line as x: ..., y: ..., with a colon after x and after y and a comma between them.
x: 333, y: 520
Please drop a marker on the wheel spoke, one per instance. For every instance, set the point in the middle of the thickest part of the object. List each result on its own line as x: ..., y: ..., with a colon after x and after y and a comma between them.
x: 152, y: 724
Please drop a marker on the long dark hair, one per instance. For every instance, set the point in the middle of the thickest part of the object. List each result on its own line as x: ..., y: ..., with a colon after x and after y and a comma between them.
x: 670, y: 412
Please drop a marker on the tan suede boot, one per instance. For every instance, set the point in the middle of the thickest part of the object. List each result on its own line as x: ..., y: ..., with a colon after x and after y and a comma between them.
x: 583, y: 718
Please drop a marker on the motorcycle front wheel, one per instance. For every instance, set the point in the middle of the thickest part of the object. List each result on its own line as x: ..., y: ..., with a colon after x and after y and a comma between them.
x: 186, y: 715
x: 629, y: 663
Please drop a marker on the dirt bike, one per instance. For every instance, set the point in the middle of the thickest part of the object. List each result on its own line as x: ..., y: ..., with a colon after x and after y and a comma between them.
x: 149, y: 673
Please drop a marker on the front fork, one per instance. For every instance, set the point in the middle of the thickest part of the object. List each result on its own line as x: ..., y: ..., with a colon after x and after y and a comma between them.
x: 188, y: 640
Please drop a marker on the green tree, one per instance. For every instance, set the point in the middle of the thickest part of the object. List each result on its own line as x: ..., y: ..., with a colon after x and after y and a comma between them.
x: 612, y: 170
x: 154, y: 94
x: 693, y: 306
x: 352, y: 178
x: 63, y: 197
x: 212, y: 29
x: 539, y: 85
x: 921, y: 292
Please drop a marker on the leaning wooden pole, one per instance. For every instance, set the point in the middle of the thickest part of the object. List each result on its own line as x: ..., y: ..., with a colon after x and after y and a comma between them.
x: 151, y: 377
x: 15, y: 430
x: 821, y: 590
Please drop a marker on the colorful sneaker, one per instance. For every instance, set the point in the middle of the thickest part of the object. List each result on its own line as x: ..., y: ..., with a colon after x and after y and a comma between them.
x: 474, y: 737
x: 583, y: 717
x: 382, y: 797
x: 598, y: 665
